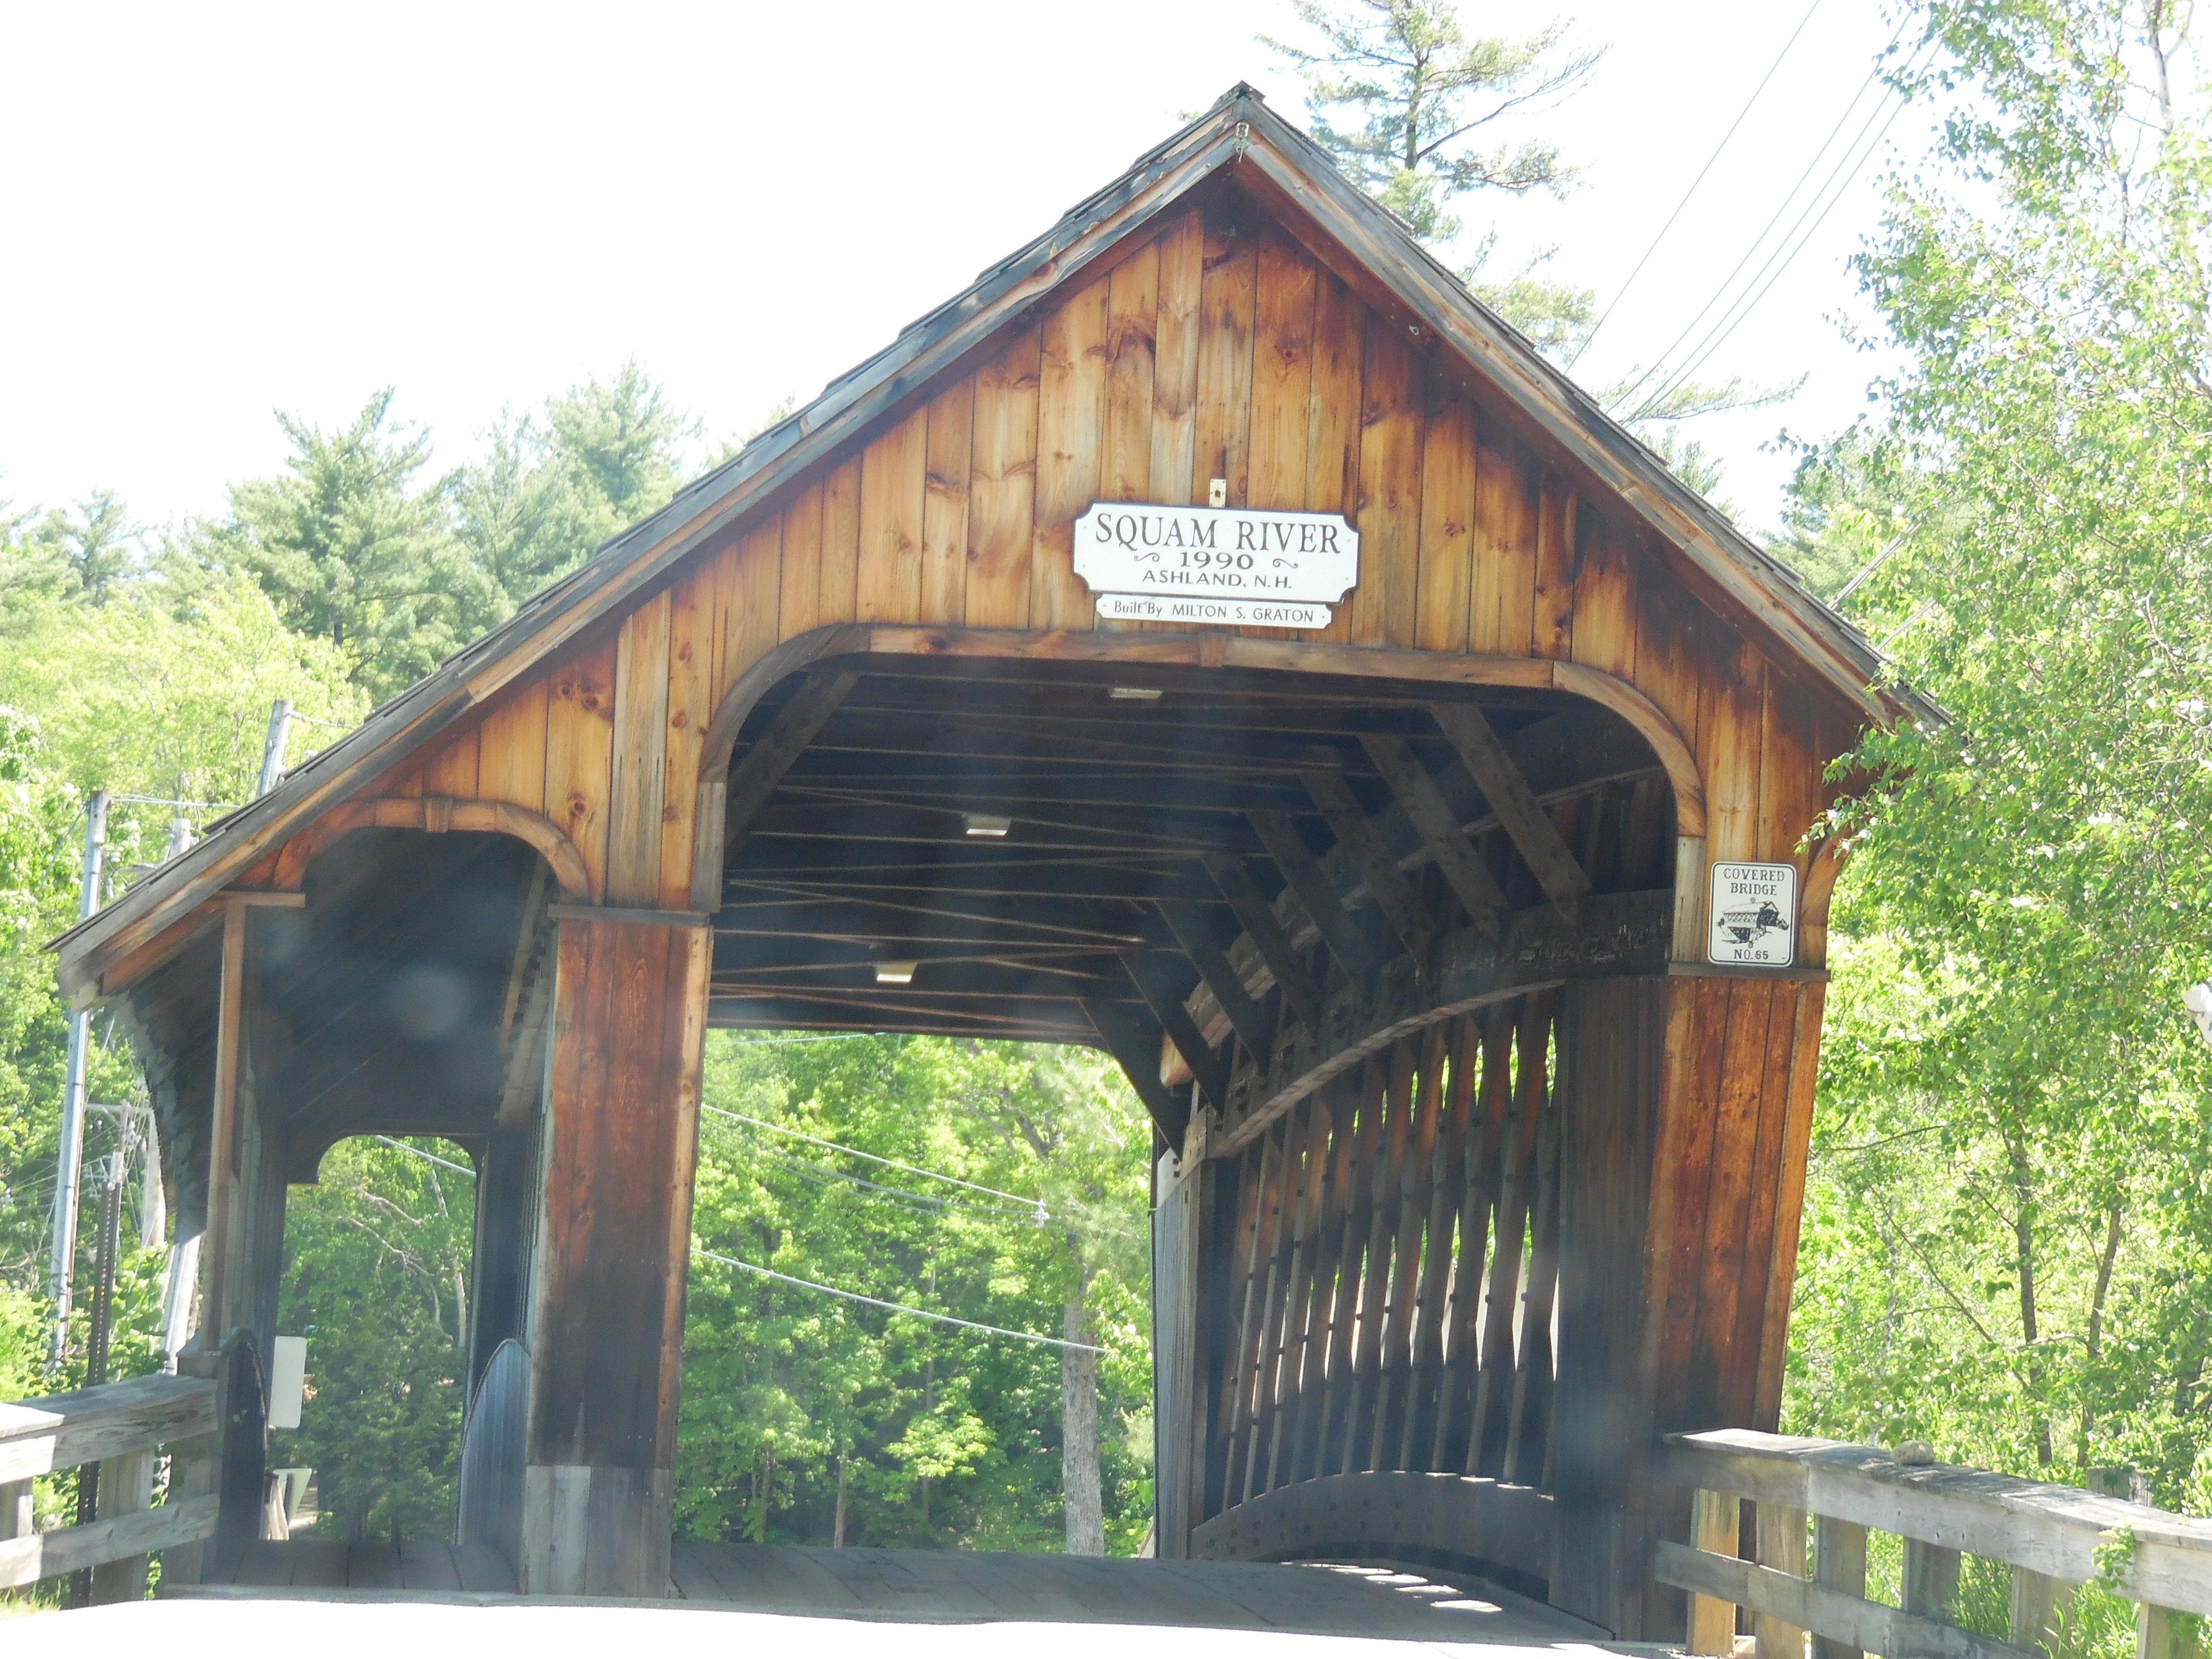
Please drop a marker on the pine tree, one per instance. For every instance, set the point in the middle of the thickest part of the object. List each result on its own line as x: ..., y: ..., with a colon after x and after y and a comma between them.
x: 355, y: 551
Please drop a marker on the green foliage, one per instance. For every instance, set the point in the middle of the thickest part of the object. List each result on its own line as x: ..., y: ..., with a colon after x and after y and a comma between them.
x: 376, y: 1277
x: 555, y: 484
x: 353, y: 545
x: 2008, y: 1247
x: 939, y: 1436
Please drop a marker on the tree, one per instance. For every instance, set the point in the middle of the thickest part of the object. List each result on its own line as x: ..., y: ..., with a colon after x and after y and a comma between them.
x: 813, y: 1419
x: 555, y: 484
x: 355, y: 551
x: 2006, y: 1246
x: 1402, y: 99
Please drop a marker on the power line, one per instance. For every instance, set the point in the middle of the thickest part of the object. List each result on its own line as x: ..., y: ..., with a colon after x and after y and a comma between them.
x: 895, y: 1307
x: 1846, y: 169
x: 1874, y: 75
x: 1630, y: 281
x: 431, y: 1158
x: 1036, y: 1204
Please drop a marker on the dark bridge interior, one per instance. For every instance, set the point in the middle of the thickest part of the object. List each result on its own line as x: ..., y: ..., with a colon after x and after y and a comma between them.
x: 1065, y: 852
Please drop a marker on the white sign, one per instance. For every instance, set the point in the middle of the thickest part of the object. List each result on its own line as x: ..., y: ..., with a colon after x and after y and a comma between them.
x: 1753, y: 916
x: 1223, y: 565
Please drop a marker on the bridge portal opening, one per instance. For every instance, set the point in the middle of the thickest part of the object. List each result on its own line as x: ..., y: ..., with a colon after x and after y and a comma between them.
x: 1323, y: 924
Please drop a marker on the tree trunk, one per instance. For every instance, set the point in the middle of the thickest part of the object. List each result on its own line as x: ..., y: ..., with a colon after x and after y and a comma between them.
x: 837, y: 1526
x: 2024, y: 1263
x: 1079, y: 1437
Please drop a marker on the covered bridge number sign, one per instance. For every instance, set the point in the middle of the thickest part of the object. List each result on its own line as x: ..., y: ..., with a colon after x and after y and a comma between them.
x: 1224, y: 566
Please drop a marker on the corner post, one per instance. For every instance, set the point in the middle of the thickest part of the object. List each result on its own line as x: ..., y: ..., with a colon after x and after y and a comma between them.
x: 609, y: 1275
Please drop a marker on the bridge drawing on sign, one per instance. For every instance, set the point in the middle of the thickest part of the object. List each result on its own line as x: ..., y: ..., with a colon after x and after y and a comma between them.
x: 1476, y: 1179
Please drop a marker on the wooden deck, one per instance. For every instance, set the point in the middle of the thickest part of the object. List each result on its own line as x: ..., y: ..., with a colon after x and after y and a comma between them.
x: 1338, y: 1599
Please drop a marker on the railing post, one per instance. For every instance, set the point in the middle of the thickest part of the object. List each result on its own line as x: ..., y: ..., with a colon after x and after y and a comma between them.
x: 1931, y: 1581
x: 2037, y: 1599
x: 1839, y: 1552
x: 2156, y: 1637
x: 126, y: 1486
x: 16, y: 1509
x: 1716, y: 1523
x: 1781, y: 1547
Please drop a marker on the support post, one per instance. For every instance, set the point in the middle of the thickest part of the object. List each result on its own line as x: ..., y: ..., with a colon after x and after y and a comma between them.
x: 607, y: 1331
x: 71, y: 1156
x: 273, y: 746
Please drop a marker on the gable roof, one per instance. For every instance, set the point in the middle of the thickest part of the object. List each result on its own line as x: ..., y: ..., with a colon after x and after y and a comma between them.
x: 1239, y: 133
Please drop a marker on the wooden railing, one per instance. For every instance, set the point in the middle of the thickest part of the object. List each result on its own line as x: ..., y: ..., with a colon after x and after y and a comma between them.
x: 2054, y: 1539
x: 119, y: 1427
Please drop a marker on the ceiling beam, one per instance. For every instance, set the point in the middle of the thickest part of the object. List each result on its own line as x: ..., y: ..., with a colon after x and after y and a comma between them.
x: 753, y: 778
x: 1257, y: 917
x: 1135, y: 1043
x: 1557, y: 871
x: 1456, y: 857
x: 1363, y: 844
x: 1249, y: 1019
x: 1315, y: 889
x: 1203, y: 1062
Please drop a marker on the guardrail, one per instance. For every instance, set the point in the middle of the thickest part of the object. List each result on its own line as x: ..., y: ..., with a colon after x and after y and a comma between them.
x: 117, y: 1426
x: 2055, y: 1539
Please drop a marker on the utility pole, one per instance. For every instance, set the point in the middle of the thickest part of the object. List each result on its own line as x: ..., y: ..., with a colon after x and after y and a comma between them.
x: 73, y: 1094
x: 272, y: 750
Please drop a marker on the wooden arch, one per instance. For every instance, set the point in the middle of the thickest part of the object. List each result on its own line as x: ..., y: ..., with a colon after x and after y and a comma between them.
x: 437, y: 814
x: 1201, y: 651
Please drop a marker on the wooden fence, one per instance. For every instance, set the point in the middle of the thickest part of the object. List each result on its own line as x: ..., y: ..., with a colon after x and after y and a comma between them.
x: 1396, y: 1263
x: 2054, y: 1539
x: 119, y: 1427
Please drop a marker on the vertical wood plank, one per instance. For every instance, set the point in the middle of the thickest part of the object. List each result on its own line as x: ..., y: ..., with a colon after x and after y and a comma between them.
x: 1393, y: 1402
x: 1483, y: 1060
x: 1839, y: 1565
x: 1504, y: 605
x: 798, y: 595
x: 1715, y: 1519
x: 945, y: 504
x: 511, y: 745
x: 840, y: 542
x: 1071, y: 416
x: 1560, y: 527
x: 579, y: 740
x: 1444, y: 601
x: 1182, y: 269
x: 893, y: 480
x: 1333, y: 418
x: 1002, y: 498
x: 1714, y: 1354
x: 452, y: 770
x: 1781, y: 1546
x: 1731, y: 743
x: 1228, y: 295
x: 1382, y: 607
x: 1359, y: 1440
x: 1132, y: 319
x: 1605, y: 613
x: 638, y: 784
x: 1789, y: 1209
x: 691, y: 633
x: 749, y: 603
x: 1282, y: 377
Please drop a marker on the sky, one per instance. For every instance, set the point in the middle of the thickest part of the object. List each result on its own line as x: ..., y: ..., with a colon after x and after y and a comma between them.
x: 216, y: 213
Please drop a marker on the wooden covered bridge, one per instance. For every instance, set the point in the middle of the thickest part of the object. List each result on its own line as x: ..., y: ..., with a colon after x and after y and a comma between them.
x: 1213, y: 637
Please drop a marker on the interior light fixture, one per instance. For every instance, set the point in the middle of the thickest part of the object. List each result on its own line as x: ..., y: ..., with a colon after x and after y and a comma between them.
x: 895, y: 973
x: 1134, y: 693
x: 987, y: 826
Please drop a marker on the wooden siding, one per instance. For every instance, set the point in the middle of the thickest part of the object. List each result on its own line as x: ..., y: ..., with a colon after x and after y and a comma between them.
x: 1207, y: 350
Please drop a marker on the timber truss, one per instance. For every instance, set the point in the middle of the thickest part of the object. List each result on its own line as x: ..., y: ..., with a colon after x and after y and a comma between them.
x: 1279, y: 875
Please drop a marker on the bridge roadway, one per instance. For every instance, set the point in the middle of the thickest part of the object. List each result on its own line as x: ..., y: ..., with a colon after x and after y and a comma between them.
x: 370, y: 1597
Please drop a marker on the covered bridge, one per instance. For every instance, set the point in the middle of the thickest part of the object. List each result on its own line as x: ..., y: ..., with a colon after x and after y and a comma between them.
x: 1213, y: 637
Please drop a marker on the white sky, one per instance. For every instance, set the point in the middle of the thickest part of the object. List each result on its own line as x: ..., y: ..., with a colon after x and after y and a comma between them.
x: 212, y: 213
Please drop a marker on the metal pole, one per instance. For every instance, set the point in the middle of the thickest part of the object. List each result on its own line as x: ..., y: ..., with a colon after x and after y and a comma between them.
x: 72, y: 1137
x: 272, y: 750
